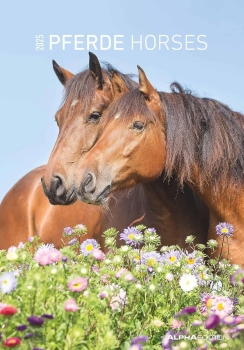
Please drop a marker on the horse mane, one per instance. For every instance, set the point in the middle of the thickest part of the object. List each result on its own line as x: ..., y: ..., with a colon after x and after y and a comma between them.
x: 83, y: 85
x: 205, y: 133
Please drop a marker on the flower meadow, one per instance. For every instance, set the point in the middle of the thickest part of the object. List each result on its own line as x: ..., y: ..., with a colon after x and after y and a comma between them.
x: 136, y: 296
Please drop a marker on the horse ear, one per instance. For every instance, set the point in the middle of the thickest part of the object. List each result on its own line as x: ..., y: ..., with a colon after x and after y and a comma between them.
x: 118, y: 85
x: 96, y: 70
x: 146, y: 87
x: 62, y: 74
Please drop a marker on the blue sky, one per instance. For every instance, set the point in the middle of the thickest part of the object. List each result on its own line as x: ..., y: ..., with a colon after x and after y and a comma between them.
x: 30, y: 92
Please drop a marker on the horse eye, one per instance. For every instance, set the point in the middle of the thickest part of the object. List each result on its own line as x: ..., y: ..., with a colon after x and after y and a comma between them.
x: 94, y: 117
x: 138, y: 126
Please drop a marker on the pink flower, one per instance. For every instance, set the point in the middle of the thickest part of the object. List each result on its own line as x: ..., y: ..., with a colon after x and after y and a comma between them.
x: 47, y: 254
x: 129, y: 277
x: 222, y: 306
x: 174, y: 324
x: 2, y: 306
x: 78, y: 284
x: 21, y: 245
x: 104, y: 279
x: 207, y: 302
x: 169, y: 277
x: 98, y: 254
x: 43, y: 257
x: 12, y: 249
x: 103, y: 294
x: 120, y: 272
x: 118, y: 301
x: 70, y: 305
x: 55, y: 255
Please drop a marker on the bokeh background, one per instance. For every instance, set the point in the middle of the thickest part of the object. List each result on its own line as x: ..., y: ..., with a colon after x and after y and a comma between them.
x: 30, y: 93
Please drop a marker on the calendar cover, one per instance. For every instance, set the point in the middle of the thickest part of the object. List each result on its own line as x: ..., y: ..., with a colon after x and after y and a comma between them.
x: 122, y: 136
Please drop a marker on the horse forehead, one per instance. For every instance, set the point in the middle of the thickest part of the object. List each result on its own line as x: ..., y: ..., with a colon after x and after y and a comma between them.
x: 74, y: 102
x: 117, y: 116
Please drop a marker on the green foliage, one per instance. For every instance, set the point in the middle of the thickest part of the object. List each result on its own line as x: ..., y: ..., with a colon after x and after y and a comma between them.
x: 133, y: 290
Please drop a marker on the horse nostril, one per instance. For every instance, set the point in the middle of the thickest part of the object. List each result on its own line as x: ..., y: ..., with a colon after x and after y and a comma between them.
x: 89, y: 183
x: 57, y: 186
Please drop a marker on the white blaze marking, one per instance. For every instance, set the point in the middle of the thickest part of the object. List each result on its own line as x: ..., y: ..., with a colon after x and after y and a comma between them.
x: 74, y: 103
x: 117, y: 116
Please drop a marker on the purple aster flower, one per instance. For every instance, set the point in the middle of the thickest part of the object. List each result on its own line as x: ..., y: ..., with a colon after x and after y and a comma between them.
x: 31, y: 239
x: 64, y: 259
x: 192, y: 260
x: 50, y: 317
x: 228, y: 320
x: 28, y: 335
x: 237, y: 278
x: 135, y: 347
x: 224, y: 229
x: 22, y: 327
x: 151, y: 258
x: 151, y: 230
x: 240, y: 327
x: 140, y: 339
x: 72, y: 242
x: 131, y: 236
x: 197, y: 323
x: 88, y: 246
x: 239, y: 319
x: 167, y: 339
x: 35, y: 320
x: 188, y: 310
x: 8, y: 282
x: 212, y: 321
x: 80, y: 227
x: 222, y: 306
x: 171, y: 256
x: 183, y: 332
x: 201, y: 277
x: 68, y: 231
x: 150, y: 269
x: 207, y: 302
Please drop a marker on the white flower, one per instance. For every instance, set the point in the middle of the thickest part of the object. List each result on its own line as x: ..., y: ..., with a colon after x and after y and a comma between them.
x: 124, y: 248
x: 188, y: 282
x: 152, y: 287
x: 11, y: 256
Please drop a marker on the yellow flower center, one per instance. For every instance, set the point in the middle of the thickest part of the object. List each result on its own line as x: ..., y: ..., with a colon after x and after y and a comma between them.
x: 77, y: 285
x: 4, y: 281
x: 137, y: 257
x: 131, y: 236
x: 224, y: 230
x: 151, y: 261
x: 209, y: 303
x: 200, y: 275
x: 220, y: 306
x: 172, y: 258
x: 89, y: 247
x: 190, y: 261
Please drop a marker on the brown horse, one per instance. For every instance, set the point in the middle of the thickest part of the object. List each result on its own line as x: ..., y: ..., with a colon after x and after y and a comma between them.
x: 199, y: 140
x: 80, y: 121
x: 25, y: 211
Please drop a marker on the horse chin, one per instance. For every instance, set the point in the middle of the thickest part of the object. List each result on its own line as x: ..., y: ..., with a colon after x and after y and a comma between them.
x: 68, y: 200
x: 94, y: 198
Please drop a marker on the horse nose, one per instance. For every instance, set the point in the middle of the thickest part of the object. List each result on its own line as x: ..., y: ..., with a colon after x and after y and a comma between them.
x: 89, y: 183
x: 57, y: 186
